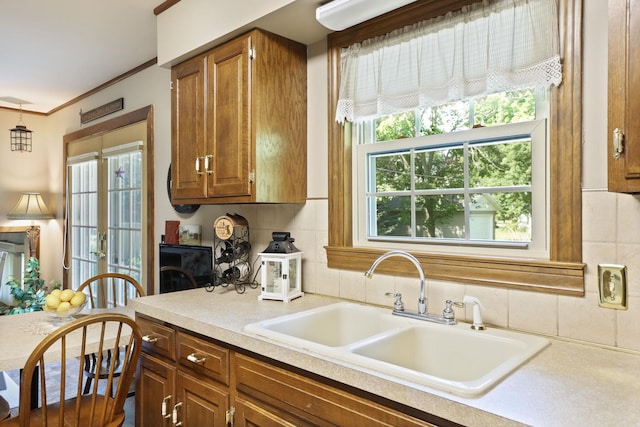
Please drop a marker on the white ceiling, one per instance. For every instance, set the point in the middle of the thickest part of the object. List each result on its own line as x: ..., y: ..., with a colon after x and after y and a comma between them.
x: 55, y: 51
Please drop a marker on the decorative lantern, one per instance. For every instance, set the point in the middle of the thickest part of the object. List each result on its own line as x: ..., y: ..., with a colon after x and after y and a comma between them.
x: 20, y: 136
x: 281, y: 269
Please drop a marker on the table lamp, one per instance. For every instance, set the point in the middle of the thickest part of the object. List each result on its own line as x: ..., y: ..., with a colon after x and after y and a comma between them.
x: 31, y: 206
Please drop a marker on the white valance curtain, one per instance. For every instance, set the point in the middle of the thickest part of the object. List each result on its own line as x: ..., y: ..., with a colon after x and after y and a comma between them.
x: 487, y: 47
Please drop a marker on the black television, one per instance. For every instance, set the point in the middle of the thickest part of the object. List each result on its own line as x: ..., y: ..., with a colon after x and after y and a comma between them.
x: 197, y: 260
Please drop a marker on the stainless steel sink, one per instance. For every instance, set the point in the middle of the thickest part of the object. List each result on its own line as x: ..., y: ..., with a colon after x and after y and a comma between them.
x: 452, y: 358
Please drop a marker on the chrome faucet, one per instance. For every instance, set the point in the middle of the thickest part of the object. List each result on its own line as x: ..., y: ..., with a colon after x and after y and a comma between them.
x: 448, y: 316
x: 422, y: 301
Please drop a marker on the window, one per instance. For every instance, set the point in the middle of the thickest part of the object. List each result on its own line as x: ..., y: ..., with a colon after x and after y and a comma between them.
x: 562, y: 271
x: 458, y: 174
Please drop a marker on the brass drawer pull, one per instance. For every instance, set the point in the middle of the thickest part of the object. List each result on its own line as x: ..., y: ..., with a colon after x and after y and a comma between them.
x: 150, y: 339
x: 195, y: 359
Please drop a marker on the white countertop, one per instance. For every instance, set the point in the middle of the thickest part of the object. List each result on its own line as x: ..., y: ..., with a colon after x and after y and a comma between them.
x: 566, y: 384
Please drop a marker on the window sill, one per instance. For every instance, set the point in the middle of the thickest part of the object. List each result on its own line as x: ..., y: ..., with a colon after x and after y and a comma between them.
x: 562, y: 278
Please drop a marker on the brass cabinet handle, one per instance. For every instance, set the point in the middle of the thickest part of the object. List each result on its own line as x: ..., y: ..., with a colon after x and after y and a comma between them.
x: 198, y: 165
x: 150, y: 339
x: 195, y: 359
x: 165, y: 402
x: 207, y: 163
x: 618, y: 143
x: 175, y: 414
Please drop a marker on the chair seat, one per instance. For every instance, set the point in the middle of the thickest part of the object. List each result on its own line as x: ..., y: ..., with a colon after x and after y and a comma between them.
x: 70, y: 414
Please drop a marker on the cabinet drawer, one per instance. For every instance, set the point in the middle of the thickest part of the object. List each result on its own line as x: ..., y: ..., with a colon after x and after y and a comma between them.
x: 203, y: 358
x: 157, y: 339
x: 310, y: 402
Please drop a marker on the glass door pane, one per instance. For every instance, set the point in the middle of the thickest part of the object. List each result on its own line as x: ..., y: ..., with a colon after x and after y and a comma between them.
x: 83, y: 213
x: 124, y: 195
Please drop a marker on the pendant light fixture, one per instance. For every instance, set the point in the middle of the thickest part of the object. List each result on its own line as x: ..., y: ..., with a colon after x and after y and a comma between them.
x: 20, y: 136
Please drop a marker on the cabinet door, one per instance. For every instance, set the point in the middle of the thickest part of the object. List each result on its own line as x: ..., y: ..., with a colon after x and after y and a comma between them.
x: 187, y: 130
x: 248, y: 414
x: 227, y: 121
x: 624, y: 89
x: 154, y: 385
x: 200, y: 402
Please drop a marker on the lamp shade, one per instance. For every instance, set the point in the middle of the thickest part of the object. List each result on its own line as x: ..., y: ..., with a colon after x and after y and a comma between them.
x: 30, y: 206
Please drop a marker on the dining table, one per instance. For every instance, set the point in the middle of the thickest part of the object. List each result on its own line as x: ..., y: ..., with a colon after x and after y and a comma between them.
x: 21, y: 333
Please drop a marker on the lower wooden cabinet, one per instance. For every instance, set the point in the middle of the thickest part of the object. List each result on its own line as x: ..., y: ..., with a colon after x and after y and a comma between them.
x: 155, y: 387
x: 248, y: 414
x: 199, y: 402
x: 209, y: 384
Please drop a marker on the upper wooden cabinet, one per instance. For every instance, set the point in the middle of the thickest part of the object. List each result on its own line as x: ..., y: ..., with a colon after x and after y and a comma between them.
x: 239, y: 123
x: 624, y: 92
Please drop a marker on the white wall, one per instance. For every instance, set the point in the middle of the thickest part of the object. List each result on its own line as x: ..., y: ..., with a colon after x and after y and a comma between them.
x: 189, y: 25
x: 26, y: 172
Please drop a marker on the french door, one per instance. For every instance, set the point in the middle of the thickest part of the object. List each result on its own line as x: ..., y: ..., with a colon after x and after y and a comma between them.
x: 106, y: 204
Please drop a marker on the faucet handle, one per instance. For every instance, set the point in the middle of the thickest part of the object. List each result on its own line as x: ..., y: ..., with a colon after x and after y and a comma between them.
x: 398, y: 305
x: 448, y: 312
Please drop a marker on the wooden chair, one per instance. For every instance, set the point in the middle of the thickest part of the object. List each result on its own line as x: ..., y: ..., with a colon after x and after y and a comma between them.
x: 64, y: 348
x: 105, y: 291
x: 176, y: 279
x: 111, y: 290
x: 5, y: 410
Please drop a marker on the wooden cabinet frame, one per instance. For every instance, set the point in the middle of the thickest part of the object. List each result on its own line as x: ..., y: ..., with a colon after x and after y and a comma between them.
x: 563, y: 272
x: 623, y: 107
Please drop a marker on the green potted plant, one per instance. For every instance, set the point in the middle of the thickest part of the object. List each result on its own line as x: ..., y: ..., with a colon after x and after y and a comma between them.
x: 30, y: 296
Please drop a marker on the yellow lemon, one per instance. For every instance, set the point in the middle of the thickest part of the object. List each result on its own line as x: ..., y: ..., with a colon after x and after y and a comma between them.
x: 56, y: 292
x: 52, y: 301
x: 66, y: 295
x: 78, y: 298
x: 63, y: 308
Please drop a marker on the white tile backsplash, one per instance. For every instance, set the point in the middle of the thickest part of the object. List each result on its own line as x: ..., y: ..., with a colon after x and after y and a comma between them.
x: 579, y: 318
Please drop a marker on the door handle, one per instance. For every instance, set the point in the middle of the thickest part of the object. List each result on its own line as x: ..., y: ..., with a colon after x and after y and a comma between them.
x: 102, y: 241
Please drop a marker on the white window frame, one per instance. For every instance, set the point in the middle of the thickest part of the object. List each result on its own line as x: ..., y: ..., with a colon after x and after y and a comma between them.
x: 538, y: 247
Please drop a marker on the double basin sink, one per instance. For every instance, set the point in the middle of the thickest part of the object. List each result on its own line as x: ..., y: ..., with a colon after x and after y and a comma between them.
x: 452, y: 358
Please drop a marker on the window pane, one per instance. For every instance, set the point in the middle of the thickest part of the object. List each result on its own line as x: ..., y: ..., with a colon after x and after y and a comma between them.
x: 393, y: 216
x: 439, y: 168
x: 445, y: 118
x: 440, y: 216
x: 505, y: 107
x: 392, y: 172
x: 84, y: 222
x: 500, y: 164
x: 396, y: 126
x: 125, y: 213
x: 513, y: 216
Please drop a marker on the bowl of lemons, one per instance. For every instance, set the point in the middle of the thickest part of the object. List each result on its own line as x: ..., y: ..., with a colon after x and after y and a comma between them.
x: 64, y: 304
